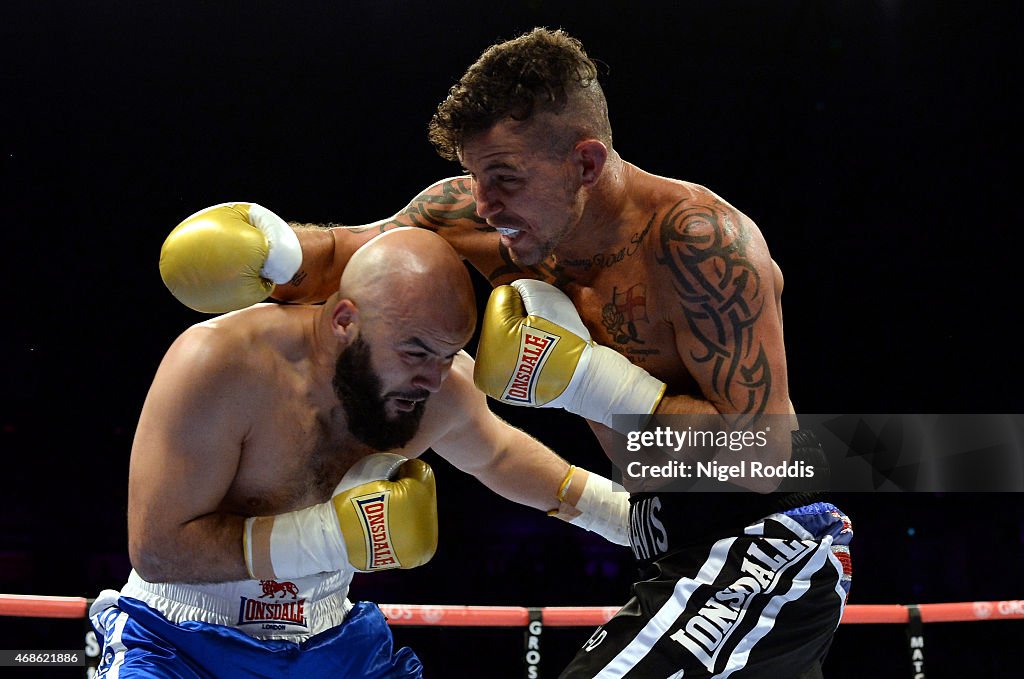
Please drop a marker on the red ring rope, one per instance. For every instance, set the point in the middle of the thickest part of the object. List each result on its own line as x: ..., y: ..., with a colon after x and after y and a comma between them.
x: 29, y: 606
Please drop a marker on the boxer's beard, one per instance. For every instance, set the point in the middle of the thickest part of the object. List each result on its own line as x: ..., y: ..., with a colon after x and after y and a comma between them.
x: 359, y: 390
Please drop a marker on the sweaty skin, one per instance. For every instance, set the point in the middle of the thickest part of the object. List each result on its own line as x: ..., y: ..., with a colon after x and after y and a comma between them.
x: 664, y: 271
x: 242, y: 418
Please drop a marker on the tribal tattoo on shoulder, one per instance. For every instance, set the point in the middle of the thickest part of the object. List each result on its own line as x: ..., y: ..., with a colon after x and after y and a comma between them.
x: 704, y: 246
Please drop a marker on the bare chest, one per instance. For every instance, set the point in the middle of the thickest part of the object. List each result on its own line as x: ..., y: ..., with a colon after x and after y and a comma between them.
x: 624, y: 309
x: 294, y: 457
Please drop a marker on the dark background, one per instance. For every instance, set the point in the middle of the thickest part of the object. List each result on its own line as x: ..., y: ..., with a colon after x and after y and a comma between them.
x: 871, y: 141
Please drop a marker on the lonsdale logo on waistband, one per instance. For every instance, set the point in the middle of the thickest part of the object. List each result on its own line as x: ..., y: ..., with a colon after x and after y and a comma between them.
x: 535, y: 347
x: 285, y: 612
x: 373, y: 512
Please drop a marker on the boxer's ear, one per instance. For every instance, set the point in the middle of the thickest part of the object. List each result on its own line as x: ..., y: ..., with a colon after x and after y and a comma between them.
x: 589, y: 156
x: 345, y: 321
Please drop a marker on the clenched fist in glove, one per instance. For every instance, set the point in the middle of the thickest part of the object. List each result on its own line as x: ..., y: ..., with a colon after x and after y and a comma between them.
x: 535, y: 351
x: 383, y: 515
x: 228, y: 257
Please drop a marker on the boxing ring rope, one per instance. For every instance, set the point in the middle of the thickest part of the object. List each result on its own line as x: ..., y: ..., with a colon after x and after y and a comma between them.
x: 29, y: 606
x: 534, y: 619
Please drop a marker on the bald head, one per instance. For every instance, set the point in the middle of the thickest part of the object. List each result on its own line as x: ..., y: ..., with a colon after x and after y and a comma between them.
x: 404, y: 310
x: 410, y: 273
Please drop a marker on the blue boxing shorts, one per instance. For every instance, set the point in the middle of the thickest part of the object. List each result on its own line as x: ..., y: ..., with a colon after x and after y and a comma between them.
x: 760, y: 603
x: 140, y: 641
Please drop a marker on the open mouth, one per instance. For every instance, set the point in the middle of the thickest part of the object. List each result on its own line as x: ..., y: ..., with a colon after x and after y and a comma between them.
x: 405, y: 405
x: 408, y: 402
x: 508, y: 234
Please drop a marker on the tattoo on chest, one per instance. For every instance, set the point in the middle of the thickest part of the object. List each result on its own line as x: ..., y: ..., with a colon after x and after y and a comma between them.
x: 440, y: 207
x: 705, y: 247
x: 620, y: 316
x: 608, y: 259
x: 556, y: 271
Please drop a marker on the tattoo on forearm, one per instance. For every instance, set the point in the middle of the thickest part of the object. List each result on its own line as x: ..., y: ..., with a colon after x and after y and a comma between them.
x: 450, y: 204
x: 332, y: 225
x: 547, y: 270
x: 721, y: 295
x: 434, y: 212
x: 508, y: 267
x: 301, y: 226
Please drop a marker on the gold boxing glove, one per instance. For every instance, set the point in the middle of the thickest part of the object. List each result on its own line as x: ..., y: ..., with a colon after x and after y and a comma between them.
x: 535, y: 351
x: 372, y: 526
x: 228, y: 257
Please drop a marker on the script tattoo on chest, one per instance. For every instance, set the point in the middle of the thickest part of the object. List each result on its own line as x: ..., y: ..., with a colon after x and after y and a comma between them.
x: 704, y: 246
x: 605, y: 260
x: 557, y: 272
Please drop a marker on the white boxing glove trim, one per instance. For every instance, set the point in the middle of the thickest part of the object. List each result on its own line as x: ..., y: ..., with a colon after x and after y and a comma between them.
x: 309, y: 541
x: 375, y: 467
x: 550, y: 303
x: 303, y: 542
x: 604, y: 383
x: 285, y: 254
x: 610, y: 385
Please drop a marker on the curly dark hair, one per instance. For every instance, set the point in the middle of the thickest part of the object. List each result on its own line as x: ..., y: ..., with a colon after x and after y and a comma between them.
x: 543, y: 70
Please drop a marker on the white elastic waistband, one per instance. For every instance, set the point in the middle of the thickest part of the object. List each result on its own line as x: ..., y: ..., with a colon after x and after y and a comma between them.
x: 266, y: 609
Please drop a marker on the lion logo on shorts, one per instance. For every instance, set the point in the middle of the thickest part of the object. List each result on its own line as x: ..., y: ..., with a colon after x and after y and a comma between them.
x: 272, y: 587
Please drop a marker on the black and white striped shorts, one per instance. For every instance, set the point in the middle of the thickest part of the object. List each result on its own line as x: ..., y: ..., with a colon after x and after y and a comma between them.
x: 765, y: 603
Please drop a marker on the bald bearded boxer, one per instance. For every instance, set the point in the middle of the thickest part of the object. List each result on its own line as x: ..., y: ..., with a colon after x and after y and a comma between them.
x: 258, y: 486
x: 664, y: 299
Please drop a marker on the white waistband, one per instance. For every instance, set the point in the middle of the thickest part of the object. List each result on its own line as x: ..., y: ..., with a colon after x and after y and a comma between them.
x: 266, y: 609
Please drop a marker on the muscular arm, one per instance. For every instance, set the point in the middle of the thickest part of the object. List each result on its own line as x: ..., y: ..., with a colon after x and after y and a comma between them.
x: 728, y: 330
x: 505, y: 459
x: 728, y: 326
x: 446, y: 207
x: 184, y: 457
